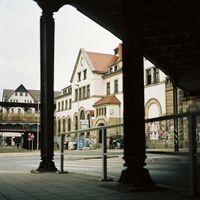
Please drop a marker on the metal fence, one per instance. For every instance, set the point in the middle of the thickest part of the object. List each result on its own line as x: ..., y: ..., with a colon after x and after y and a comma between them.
x: 192, y: 150
x: 104, y: 146
x: 192, y: 153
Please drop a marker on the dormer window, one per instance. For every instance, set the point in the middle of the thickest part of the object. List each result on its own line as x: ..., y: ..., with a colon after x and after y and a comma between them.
x: 116, y: 51
x: 110, y: 69
x: 116, y: 68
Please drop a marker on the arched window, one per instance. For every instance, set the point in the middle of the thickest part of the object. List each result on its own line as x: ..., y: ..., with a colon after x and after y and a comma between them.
x: 69, y: 124
x: 64, y: 125
x: 76, y: 123
x: 58, y: 126
x: 82, y: 115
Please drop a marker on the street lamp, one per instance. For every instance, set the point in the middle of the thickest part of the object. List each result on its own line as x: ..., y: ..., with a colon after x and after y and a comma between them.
x: 78, y: 117
x: 38, y: 108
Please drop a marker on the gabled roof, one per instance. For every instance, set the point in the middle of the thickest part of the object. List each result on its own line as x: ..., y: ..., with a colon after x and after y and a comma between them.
x: 21, y: 88
x: 101, y: 61
x: 7, y: 92
x: 107, y: 100
x: 98, y: 62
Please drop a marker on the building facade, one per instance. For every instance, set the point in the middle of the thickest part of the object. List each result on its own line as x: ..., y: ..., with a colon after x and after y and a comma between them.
x: 23, y: 119
x: 95, y: 98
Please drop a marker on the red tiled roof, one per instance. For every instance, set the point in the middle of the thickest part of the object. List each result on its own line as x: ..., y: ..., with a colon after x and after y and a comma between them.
x: 101, y: 61
x: 108, y: 100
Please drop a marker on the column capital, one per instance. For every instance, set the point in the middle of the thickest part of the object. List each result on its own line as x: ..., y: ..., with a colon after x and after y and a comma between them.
x: 50, y: 5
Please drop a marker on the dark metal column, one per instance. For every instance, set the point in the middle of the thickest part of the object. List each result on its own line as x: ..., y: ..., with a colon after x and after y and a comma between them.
x: 47, y: 91
x: 47, y: 84
x: 133, y: 87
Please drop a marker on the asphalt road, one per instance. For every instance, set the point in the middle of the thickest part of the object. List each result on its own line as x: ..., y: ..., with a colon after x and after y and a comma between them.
x: 163, y: 170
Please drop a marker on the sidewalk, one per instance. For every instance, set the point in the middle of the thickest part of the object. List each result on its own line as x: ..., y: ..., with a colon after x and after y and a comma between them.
x: 23, y: 185
x: 73, y: 186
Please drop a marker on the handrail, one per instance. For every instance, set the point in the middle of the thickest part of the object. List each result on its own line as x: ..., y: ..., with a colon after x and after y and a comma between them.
x: 173, y: 116
x: 104, y: 147
x: 91, y: 129
x: 193, y: 190
x: 192, y: 145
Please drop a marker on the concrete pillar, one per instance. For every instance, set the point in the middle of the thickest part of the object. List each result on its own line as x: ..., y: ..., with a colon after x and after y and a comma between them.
x: 133, y: 87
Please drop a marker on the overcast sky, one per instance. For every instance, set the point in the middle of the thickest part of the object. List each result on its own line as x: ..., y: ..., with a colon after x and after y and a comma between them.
x: 20, y: 50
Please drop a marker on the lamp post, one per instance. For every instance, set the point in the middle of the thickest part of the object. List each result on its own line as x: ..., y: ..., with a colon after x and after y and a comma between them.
x: 78, y: 117
x: 38, y: 108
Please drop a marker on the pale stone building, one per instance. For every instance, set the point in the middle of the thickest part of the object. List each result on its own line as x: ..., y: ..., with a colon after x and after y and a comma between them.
x: 96, y: 95
x: 94, y: 98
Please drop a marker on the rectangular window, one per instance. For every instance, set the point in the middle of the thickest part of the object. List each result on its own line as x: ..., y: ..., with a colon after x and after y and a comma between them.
x: 97, y: 112
x: 84, y: 94
x: 21, y: 94
x: 85, y: 74
x: 70, y: 104
x: 116, y: 86
x: 66, y: 102
x: 80, y: 94
x: 156, y: 75
x: 108, y: 88
x: 148, y: 76
x: 76, y: 94
x: 88, y: 91
x: 58, y: 106
x: 15, y: 93
x: 79, y: 76
x: 62, y: 105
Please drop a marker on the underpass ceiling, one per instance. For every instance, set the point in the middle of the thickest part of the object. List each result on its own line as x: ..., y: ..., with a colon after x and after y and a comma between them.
x: 171, y: 34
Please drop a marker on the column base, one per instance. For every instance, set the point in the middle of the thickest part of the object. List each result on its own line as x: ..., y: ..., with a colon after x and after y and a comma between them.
x: 45, y: 166
x: 137, y: 177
